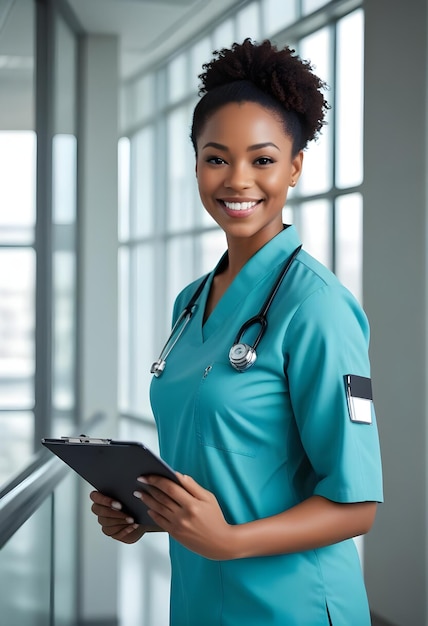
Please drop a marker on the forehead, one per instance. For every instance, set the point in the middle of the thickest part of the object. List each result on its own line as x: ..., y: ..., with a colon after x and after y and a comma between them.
x: 247, y: 122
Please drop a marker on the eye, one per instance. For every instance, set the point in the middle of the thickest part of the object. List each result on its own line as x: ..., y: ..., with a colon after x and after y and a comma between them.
x: 214, y: 160
x: 264, y: 161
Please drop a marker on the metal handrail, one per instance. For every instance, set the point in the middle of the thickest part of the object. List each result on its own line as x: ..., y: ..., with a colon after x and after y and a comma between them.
x: 17, y: 506
x: 22, y: 496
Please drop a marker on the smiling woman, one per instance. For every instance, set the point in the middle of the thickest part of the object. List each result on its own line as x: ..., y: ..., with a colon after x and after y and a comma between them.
x: 245, y: 173
x: 272, y: 463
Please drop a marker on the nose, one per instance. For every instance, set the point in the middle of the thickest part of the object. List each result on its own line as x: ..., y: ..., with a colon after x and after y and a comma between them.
x: 238, y: 177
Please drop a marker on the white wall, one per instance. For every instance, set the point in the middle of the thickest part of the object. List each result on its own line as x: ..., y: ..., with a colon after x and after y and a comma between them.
x: 395, y: 297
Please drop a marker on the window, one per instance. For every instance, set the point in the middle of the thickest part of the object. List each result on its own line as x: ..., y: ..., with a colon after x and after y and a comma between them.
x: 31, y: 396
x: 18, y: 147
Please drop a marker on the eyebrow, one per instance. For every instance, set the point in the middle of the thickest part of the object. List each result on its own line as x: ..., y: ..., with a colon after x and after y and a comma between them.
x: 256, y: 146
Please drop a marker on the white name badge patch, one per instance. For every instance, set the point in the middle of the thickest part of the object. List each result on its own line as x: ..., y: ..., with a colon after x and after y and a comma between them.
x: 359, y: 397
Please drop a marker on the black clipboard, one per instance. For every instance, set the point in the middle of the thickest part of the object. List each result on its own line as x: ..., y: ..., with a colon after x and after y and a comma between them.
x: 112, y: 467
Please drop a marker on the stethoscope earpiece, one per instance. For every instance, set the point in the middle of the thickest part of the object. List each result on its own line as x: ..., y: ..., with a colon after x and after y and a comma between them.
x: 242, y: 356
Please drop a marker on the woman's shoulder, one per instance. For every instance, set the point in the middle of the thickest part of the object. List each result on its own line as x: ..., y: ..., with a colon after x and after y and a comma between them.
x: 319, y: 297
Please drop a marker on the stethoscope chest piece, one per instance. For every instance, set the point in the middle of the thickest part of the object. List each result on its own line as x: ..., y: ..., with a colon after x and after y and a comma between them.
x: 242, y: 356
x: 158, y: 367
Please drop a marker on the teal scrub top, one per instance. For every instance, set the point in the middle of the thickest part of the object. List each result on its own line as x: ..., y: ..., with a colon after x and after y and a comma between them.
x: 264, y: 440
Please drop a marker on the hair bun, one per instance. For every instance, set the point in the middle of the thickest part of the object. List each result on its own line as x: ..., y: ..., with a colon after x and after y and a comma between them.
x: 279, y: 73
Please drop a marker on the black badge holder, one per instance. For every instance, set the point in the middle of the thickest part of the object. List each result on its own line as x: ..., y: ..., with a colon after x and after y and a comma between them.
x: 359, y: 397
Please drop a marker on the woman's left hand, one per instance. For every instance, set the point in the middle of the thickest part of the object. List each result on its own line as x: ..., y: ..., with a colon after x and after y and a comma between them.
x: 190, y: 514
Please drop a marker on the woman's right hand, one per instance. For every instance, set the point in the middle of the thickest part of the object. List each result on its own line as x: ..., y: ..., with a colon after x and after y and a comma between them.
x: 114, y: 522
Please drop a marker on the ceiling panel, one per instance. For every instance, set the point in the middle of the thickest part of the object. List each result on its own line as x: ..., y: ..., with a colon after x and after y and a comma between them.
x: 148, y: 30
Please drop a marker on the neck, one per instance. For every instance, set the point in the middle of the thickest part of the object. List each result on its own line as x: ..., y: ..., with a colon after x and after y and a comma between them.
x: 241, y: 249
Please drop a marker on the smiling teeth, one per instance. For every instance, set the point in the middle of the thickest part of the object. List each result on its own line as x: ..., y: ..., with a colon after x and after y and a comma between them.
x: 240, y: 206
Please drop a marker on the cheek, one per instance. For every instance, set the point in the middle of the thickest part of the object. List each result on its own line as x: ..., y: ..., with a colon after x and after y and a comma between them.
x: 207, y: 181
x: 277, y: 183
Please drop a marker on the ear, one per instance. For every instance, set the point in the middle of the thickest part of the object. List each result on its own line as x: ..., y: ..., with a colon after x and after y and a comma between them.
x: 296, y: 167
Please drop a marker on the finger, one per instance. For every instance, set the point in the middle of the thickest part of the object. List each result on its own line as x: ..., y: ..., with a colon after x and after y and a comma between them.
x: 183, y: 494
x: 105, y: 511
x: 157, y: 500
x: 194, y: 488
x: 119, y: 532
x: 164, y: 485
x: 112, y: 521
x: 100, y: 498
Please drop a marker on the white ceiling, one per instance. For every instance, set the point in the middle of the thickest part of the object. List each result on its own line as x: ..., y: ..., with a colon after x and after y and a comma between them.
x: 148, y: 29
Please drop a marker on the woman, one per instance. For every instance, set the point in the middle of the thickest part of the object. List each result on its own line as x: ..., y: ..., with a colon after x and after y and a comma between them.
x: 279, y: 464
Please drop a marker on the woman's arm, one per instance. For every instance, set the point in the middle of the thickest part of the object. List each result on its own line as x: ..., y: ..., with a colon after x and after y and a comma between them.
x: 314, y: 523
x: 192, y: 515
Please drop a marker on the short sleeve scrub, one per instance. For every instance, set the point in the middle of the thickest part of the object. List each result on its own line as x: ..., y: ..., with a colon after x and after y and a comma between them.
x: 265, y: 440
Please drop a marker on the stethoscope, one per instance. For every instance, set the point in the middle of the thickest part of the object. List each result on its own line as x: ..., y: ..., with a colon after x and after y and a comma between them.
x: 241, y: 355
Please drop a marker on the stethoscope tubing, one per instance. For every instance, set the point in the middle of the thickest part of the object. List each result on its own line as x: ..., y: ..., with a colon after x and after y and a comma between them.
x: 247, y: 353
x: 261, y: 317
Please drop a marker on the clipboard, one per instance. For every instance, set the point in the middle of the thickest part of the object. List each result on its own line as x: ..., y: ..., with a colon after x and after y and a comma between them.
x: 112, y: 467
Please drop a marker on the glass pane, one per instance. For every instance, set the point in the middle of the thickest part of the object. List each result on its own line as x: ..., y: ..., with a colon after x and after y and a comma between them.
x: 25, y: 572
x: 144, y: 587
x: 316, y: 174
x: 65, y: 551
x: 124, y: 149
x: 142, y: 183
x: 16, y: 442
x: 278, y: 14
x: 64, y: 179
x: 180, y: 269
x: 142, y: 342
x: 143, y: 97
x: 313, y: 222
x: 349, y: 106
x: 210, y: 247
x: 224, y: 35
x: 18, y: 186
x: 200, y: 53
x: 248, y: 22
x: 308, y: 6
x: 17, y: 65
x: 178, y: 83
x: 124, y: 329
x: 64, y: 331
x: 17, y: 328
x: 349, y: 242
x: 64, y: 209
x: 181, y: 174
x: 288, y: 215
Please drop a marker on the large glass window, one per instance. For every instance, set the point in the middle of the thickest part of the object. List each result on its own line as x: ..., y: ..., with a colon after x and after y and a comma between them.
x: 18, y: 147
x: 37, y: 234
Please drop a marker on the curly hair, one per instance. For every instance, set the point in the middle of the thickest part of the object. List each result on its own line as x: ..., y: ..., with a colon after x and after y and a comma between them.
x: 277, y: 79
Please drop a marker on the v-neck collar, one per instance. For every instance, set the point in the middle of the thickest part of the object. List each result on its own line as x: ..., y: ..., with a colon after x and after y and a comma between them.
x: 273, y: 253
